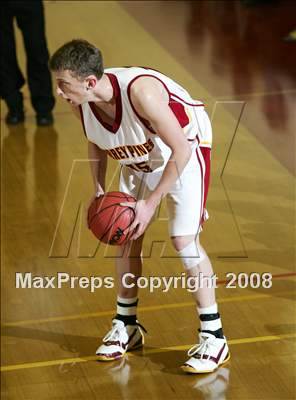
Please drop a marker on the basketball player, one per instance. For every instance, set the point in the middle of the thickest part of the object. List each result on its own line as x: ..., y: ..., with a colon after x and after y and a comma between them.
x: 162, y: 139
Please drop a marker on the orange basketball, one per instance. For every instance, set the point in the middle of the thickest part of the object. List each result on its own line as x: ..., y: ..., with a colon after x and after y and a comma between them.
x: 107, y: 219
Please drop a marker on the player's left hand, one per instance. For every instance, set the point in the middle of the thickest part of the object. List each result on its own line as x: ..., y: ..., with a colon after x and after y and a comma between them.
x: 144, y: 212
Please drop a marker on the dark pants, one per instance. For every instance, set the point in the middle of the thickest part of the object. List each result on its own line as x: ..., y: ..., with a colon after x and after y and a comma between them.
x: 30, y: 19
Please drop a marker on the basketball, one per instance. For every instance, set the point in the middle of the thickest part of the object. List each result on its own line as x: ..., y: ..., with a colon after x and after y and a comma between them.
x: 107, y: 219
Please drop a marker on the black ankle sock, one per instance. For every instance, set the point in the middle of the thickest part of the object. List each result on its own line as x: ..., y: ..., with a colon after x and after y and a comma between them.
x: 127, y: 319
x: 209, y: 317
x: 218, y: 333
x: 127, y: 310
x: 212, y: 317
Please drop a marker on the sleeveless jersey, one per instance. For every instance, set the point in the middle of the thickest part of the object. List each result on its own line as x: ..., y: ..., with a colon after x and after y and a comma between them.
x: 130, y: 139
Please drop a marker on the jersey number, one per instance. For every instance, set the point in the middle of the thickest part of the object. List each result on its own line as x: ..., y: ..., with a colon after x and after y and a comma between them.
x: 141, y: 166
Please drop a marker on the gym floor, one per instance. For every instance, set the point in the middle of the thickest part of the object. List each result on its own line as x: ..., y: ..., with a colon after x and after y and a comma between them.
x: 235, y: 57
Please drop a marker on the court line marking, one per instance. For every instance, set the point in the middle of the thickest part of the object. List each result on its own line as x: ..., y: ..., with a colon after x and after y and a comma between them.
x: 140, y: 309
x: 76, y: 360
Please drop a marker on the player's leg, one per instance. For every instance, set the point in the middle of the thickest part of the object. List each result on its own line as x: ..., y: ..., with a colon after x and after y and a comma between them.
x: 212, y: 350
x: 197, y: 264
x: 186, y: 210
x: 126, y: 333
x: 128, y: 269
x: 129, y: 261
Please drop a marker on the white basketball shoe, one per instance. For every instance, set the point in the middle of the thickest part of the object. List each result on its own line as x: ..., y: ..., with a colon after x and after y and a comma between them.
x: 207, y: 355
x: 120, y: 339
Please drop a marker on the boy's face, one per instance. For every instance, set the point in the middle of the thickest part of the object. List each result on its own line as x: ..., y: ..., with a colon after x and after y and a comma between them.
x: 73, y: 90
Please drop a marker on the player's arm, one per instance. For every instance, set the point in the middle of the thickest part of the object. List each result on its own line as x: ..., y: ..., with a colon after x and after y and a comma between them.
x: 151, y: 102
x: 97, y: 158
x: 98, y: 165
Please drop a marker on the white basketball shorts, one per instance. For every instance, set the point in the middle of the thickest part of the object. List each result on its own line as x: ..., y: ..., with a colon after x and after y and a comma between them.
x: 186, y: 199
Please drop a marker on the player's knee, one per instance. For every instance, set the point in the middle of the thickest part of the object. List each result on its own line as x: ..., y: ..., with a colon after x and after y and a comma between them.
x: 190, y: 252
x: 180, y: 242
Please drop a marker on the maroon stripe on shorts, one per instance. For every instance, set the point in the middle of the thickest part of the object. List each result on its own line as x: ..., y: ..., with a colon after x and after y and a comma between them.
x: 202, y: 189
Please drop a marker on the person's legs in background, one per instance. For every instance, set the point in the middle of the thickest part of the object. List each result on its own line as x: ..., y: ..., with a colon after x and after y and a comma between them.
x: 30, y: 19
x: 10, y: 75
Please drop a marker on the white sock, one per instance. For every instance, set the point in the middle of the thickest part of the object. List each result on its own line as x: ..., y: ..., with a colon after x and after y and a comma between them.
x: 127, y: 306
x: 213, y: 309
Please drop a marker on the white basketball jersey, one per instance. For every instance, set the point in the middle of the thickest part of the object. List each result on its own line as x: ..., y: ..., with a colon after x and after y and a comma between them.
x: 130, y: 139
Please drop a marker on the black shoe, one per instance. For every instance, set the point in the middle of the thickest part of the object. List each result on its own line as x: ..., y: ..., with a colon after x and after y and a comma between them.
x: 15, y: 117
x: 15, y: 106
x: 44, y: 119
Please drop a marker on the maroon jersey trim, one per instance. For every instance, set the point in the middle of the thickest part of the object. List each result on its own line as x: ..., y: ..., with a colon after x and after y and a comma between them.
x: 176, y: 106
x: 186, y: 102
x: 118, y: 112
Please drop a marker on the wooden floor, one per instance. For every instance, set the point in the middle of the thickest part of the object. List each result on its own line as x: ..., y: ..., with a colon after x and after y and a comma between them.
x: 235, y: 59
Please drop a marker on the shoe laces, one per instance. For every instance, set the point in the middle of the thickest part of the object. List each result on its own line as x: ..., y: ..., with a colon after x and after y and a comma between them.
x: 201, y: 348
x: 115, y: 333
x: 141, y: 326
